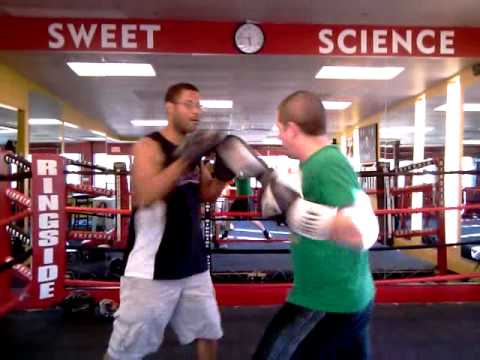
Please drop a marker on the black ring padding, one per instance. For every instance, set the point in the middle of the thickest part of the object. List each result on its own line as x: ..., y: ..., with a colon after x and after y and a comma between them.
x: 389, y: 248
x: 11, y: 158
x: 16, y: 176
x: 100, y: 215
x: 250, y: 251
x: 238, y: 218
x: 403, y: 173
x: 15, y: 232
x: 85, y: 164
x: 9, y: 264
x: 106, y: 172
x: 419, y: 247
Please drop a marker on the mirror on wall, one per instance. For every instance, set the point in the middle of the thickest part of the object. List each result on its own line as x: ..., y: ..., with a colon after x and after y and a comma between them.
x: 435, y: 125
x: 396, y: 130
x: 45, y: 125
x: 8, y: 128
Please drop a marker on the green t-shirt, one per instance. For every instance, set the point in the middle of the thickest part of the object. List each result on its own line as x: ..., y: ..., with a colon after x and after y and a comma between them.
x: 242, y: 185
x: 328, y: 276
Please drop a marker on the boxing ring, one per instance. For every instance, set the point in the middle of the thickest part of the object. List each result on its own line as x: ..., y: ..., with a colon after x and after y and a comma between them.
x: 38, y: 218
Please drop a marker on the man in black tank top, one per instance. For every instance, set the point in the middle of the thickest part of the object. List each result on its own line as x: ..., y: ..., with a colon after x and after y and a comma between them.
x: 166, y: 277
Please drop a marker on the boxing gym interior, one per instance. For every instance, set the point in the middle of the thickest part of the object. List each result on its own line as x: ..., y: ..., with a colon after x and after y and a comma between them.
x: 400, y: 82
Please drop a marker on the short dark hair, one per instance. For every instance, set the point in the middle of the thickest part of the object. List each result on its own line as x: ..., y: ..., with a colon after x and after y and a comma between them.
x: 306, y: 110
x: 175, y: 90
x: 9, y: 146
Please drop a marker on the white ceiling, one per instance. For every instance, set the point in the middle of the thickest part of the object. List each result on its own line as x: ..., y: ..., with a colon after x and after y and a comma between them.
x: 255, y: 83
x: 405, y: 12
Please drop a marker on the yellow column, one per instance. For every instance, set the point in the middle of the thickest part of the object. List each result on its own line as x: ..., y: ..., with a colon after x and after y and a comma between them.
x: 23, y: 135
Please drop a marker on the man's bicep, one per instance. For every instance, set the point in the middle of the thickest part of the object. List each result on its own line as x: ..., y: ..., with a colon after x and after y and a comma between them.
x: 147, y: 163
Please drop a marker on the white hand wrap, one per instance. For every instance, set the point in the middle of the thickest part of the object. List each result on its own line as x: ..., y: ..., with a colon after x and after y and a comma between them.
x: 311, y: 219
x: 315, y: 220
x: 362, y: 215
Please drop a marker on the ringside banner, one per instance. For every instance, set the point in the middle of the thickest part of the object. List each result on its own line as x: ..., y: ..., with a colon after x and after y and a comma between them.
x: 48, y: 230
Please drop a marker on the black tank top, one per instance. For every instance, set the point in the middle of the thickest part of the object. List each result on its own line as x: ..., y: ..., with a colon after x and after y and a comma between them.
x: 182, y: 250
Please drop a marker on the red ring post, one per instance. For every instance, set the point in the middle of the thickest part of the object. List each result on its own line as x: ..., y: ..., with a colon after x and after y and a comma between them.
x: 5, y: 213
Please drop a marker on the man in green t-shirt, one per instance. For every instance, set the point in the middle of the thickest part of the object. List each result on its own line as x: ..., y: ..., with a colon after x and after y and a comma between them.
x: 328, y: 310
x: 244, y: 203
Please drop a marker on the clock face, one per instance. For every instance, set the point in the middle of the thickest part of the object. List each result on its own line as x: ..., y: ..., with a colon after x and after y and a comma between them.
x: 249, y: 38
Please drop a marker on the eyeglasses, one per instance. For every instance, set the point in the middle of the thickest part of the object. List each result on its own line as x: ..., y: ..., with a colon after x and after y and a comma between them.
x: 190, y: 105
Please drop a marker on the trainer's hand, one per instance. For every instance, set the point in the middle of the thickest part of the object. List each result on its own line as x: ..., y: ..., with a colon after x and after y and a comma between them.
x: 198, y: 144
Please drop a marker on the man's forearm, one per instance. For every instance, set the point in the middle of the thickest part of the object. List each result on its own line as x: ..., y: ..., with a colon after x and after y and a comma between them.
x: 157, y: 187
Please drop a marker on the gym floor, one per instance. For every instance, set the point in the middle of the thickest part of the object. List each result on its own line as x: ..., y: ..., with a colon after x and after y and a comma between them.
x: 403, y: 332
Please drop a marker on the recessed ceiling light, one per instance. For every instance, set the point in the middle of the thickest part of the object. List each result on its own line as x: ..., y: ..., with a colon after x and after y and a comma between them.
x: 99, y: 133
x: 70, y: 125
x: 359, y: 72
x: 152, y: 122
x: 336, y: 105
x: 93, y: 138
x: 8, y: 107
x: 272, y: 141
x: 466, y: 107
x: 7, y: 130
x: 471, y: 142
x: 217, y: 104
x: 44, y: 121
x: 400, y: 130
x: 111, y: 69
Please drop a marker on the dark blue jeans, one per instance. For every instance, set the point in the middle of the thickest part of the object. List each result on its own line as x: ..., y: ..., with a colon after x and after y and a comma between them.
x: 299, y: 333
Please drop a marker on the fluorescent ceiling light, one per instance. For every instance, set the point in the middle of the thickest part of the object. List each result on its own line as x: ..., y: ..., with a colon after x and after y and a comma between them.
x: 471, y: 107
x: 65, y: 138
x: 70, y: 125
x: 93, y: 139
x: 44, y: 121
x: 217, y: 104
x: 336, y: 105
x: 466, y: 107
x: 112, y: 139
x: 111, y: 69
x: 272, y: 141
x: 99, y: 133
x: 359, y: 72
x: 153, y: 122
x: 471, y: 142
x: 7, y: 130
x: 8, y: 107
x: 401, y: 130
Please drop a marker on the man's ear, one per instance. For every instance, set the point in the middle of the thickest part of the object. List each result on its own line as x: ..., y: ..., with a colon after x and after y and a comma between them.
x: 293, y: 128
x: 168, y: 106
